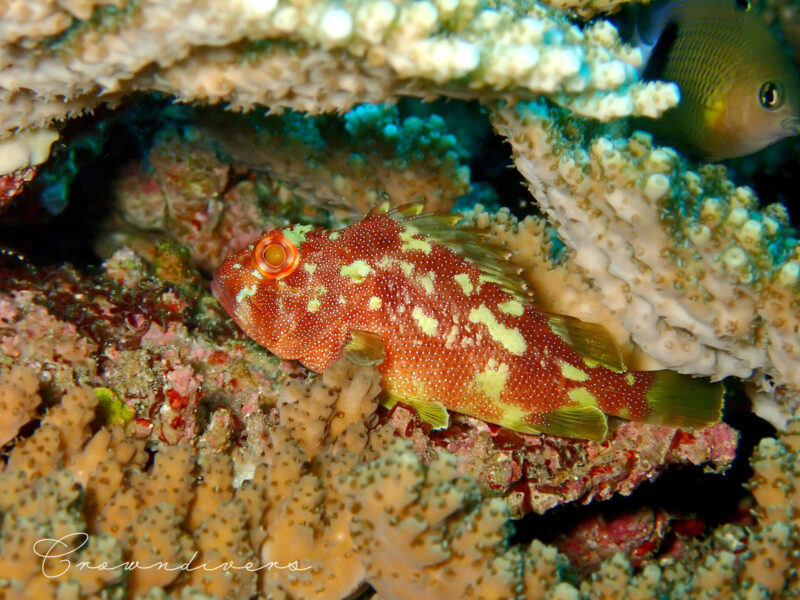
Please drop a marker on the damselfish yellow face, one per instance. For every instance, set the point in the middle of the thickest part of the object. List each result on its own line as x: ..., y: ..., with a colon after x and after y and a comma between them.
x: 763, y: 109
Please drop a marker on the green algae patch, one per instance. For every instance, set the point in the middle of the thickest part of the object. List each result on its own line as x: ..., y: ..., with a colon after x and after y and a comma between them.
x: 112, y: 410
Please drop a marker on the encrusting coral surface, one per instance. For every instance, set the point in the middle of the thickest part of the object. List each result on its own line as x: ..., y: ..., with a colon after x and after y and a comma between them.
x: 141, y: 428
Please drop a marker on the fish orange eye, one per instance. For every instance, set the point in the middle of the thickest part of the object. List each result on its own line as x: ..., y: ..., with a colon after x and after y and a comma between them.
x: 771, y: 95
x: 275, y: 256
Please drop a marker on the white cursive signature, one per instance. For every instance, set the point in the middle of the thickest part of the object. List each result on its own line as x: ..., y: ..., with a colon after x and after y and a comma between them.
x: 50, y: 548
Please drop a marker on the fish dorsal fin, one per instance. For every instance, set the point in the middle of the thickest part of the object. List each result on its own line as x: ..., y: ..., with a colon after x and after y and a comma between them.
x: 469, y: 243
x: 583, y: 422
x: 365, y: 348
x: 659, y: 55
x: 591, y: 340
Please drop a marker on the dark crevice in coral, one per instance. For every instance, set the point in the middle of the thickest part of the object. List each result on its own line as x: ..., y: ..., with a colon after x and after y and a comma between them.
x: 495, y: 181
x: 773, y: 175
x: 54, y: 220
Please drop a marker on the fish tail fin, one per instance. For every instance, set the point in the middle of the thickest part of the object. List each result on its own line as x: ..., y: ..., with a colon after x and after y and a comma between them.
x: 684, y: 401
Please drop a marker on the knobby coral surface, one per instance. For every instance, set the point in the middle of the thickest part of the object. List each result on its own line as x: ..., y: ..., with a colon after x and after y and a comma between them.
x: 682, y: 266
x: 132, y: 410
x: 326, y: 500
x: 65, y: 58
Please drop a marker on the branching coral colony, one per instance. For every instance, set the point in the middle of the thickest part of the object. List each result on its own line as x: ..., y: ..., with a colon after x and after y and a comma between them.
x: 132, y: 410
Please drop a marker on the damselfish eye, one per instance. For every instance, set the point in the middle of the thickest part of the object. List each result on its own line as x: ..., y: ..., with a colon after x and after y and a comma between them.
x: 275, y: 256
x: 771, y: 95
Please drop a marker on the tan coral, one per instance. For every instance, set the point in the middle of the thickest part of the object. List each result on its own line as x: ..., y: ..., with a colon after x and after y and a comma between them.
x: 19, y: 398
x: 314, y: 57
x: 344, y: 506
x: 421, y: 529
x: 683, y: 260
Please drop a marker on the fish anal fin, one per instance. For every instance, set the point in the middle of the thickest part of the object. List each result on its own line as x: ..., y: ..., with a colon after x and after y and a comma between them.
x: 684, y: 401
x: 591, y: 340
x: 583, y: 422
x: 431, y: 412
x: 365, y: 348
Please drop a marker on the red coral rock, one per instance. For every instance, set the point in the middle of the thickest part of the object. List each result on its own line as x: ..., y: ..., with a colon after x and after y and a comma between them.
x: 539, y: 472
x: 637, y: 534
x: 12, y: 184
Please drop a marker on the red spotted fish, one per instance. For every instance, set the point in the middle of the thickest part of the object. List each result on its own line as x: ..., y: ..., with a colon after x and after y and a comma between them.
x: 449, y: 324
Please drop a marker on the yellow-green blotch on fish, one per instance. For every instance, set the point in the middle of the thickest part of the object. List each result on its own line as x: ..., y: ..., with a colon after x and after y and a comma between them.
x: 740, y: 91
x: 446, y: 318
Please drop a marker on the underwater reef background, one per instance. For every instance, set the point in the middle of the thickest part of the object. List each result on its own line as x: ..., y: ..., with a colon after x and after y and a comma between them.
x: 145, y: 141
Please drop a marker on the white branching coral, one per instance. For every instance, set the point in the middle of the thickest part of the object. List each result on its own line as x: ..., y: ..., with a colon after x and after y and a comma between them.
x: 326, y: 56
x: 687, y: 265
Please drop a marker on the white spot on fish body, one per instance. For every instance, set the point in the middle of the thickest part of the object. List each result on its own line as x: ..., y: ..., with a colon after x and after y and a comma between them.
x: 412, y: 244
x: 406, y: 267
x: 512, y: 307
x: 573, y: 373
x: 426, y: 281
x: 297, y: 233
x: 492, y: 380
x: 582, y: 396
x: 452, y: 337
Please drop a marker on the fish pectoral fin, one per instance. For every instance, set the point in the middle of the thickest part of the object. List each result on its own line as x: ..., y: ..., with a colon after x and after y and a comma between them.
x: 365, y: 348
x: 591, y: 340
x: 583, y: 422
x: 684, y: 401
x: 432, y: 412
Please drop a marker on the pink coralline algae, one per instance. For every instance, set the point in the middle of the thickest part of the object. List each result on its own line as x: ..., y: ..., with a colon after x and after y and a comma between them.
x: 537, y: 473
x: 636, y: 534
x: 140, y: 342
x: 13, y: 183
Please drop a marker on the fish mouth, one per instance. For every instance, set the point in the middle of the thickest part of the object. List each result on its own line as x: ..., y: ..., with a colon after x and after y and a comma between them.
x: 222, y: 294
x: 792, y: 125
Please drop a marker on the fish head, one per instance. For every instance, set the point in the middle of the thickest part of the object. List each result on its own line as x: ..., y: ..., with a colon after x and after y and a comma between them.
x: 764, y: 107
x: 265, y: 286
